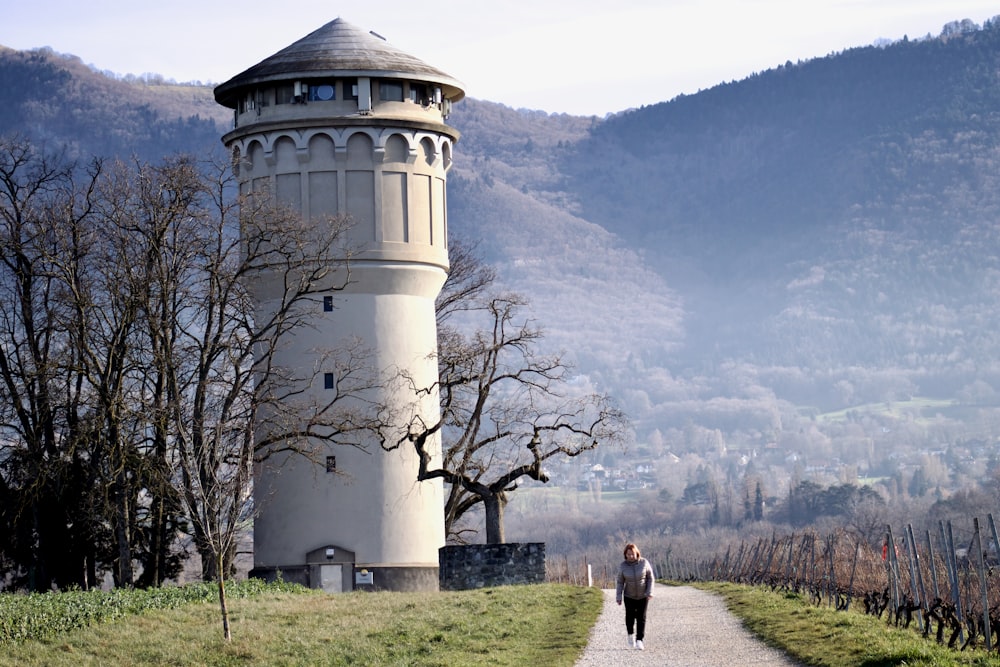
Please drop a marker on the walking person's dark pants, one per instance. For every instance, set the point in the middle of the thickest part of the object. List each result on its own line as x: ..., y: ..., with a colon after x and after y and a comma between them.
x: 635, y: 614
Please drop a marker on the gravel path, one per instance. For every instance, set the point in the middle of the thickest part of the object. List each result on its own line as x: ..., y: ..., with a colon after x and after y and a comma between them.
x: 685, y: 627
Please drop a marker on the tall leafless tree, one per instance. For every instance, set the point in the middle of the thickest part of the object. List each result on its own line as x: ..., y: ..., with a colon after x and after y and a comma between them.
x: 44, y: 460
x: 505, y: 408
x: 139, y: 383
x: 226, y: 401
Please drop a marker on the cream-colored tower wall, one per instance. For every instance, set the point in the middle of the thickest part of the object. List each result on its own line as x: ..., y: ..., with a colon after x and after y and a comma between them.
x: 391, y: 183
x: 373, y: 504
x: 341, y: 123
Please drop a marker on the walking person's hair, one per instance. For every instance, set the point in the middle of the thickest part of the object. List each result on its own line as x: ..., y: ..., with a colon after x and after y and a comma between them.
x: 631, y: 545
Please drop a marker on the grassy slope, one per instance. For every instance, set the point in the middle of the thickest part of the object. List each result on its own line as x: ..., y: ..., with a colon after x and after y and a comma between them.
x: 518, y: 625
x: 827, y: 638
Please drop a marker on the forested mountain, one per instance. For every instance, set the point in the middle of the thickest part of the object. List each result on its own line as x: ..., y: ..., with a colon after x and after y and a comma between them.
x: 823, y: 235
x: 65, y: 105
x: 850, y: 201
x: 731, y: 264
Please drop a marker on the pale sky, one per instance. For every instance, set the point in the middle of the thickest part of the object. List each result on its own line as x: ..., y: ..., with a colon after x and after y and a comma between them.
x: 582, y: 57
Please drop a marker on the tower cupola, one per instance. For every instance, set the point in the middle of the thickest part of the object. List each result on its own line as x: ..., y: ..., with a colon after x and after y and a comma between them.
x: 340, y: 70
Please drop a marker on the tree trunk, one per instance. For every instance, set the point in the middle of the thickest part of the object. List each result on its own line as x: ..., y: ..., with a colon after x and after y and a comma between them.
x: 159, y: 541
x: 122, y: 536
x: 215, y: 558
x: 223, y: 607
x: 494, y: 505
x: 38, y: 579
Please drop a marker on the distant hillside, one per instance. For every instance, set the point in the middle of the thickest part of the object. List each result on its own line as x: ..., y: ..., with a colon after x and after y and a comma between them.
x: 729, y: 264
x: 829, y: 228
x: 834, y: 213
x: 58, y: 100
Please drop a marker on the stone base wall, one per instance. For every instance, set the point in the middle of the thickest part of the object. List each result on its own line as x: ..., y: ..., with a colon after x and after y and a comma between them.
x: 381, y: 578
x: 464, y: 567
x: 399, y: 579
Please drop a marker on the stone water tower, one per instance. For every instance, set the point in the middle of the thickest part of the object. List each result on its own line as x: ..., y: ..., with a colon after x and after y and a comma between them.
x: 342, y: 123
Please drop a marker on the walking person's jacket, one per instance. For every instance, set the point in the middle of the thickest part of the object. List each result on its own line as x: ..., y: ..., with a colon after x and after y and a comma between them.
x: 635, y: 580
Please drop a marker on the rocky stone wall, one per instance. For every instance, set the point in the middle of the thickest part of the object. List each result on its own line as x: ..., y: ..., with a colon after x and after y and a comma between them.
x: 464, y: 567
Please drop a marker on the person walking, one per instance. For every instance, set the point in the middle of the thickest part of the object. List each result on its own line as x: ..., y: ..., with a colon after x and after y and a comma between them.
x: 635, y: 588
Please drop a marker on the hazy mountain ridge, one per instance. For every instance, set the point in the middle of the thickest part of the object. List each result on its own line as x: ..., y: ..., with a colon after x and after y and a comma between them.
x: 837, y: 124
x: 594, y: 297
x: 842, y: 188
x: 826, y: 233
x: 829, y: 229
x: 62, y: 103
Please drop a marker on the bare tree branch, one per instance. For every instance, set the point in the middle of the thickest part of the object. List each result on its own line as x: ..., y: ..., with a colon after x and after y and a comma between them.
x: 503, y: 408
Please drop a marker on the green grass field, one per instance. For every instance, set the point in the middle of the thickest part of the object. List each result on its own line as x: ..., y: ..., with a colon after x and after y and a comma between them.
x: 545, y: 625
x: 824, y: 637
x: 917, y: 406
x: 517, y: 625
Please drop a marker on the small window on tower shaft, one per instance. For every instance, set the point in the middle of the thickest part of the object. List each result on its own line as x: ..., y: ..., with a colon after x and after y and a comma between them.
x: 331, y: 464
x: 328, y: 380
x: 327, y: 303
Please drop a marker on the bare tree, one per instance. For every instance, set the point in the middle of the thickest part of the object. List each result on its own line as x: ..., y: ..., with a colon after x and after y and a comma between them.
x: 140, y: 377
x: 505, y: 410
x: 228, y: 401
x: 73, y: 401
x: 100, y: 264
x: 469, y: 278
x: 43, y: 459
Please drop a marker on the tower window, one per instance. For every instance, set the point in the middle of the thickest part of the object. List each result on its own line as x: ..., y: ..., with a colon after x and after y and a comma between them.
x: 331, y: 464
x: 284, y: 94
x: 418, y: 94
x: 322, y: 92
x: 328, y: 381
x: 328, y: 303
x: 390, y: 91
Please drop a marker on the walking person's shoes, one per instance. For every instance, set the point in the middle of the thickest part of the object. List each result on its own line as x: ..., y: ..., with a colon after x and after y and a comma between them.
x: 638, y: 645
x: 631, y: 641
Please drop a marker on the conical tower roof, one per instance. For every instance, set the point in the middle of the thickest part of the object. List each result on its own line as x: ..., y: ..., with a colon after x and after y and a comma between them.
x: 338, y: 49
